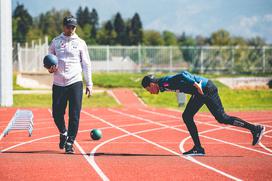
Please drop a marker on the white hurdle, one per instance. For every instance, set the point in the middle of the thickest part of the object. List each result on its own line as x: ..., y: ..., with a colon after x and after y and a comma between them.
x: 22, y: 120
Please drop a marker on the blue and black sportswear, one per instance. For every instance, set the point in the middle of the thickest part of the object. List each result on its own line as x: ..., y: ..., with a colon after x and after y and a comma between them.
x: 183, y: 82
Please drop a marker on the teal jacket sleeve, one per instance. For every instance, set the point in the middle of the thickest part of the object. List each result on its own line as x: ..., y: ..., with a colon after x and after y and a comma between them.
x: 189, y: 78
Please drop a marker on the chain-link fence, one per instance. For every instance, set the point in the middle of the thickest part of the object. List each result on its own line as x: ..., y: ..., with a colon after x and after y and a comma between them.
x: 168, y: 59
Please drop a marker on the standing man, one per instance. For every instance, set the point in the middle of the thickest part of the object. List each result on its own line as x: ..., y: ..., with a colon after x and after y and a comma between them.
x: 203, y: 91
x: 73, y: 58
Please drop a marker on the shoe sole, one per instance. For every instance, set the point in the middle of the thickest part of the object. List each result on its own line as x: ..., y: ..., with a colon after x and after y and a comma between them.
x: 70, y: 153
x: 197, y: 154
x: 261, y: 135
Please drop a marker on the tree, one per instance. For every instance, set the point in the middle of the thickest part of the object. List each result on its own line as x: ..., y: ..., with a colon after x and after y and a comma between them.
x: 83, y: 16
x: 86, y: 16
x: 185, y: 40
x: 136, y: 30
x: 34, y: 34
x: 128, y: 33
x: 88, y: 20
x: 84, y: 33
x: 189, y: 53
x: 153, y: 38
x: 120, y: 29
x: 14, y: 28
x: 238, y: 41
x: 169, y: 38
x: 106, y: 35
x: 94, y: 23
x: 23, y: 23
x: 256, y: 41
x: 80, y: 17
x: 220, y: 38
x: 51, y: 23
x: 201, y: 41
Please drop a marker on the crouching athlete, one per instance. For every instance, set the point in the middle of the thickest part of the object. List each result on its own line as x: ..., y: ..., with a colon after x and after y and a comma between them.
x: 203, y: 91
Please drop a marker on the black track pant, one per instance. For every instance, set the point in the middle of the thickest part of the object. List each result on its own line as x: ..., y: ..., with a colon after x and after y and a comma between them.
x: 61, y: 95
x: 212, y: 100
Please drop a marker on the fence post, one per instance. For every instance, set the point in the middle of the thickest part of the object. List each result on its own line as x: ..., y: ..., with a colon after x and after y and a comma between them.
x: 40, y: 56
x: 108, y: 57
x: 46, y: 40
x: 19, y: 57
x: 263, y: 56
x: 232, y: 60
x: 139, y: 58
x: 201, y: 60
x: 171, y: 59
x: 26, y: 57
x: 46, y: 46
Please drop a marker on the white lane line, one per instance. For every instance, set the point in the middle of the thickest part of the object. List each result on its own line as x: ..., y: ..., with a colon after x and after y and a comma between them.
x: 78, y: 146
x: 85, y: 155
x: 206, y: 123
x: 229, y: 143
x: 209, y: 116
x: 92, y: 154
x: 181, y: 147
x: 210, y: 124
x: 124, y: 142
x: 114, y: 97
x: 263, y: 146
x: 91, y: 159
x: 88, y: 160
x: 27, y: 142
x: 140, y: 100
x: 162, y: 147
x: 240, y: 146
x: 56, y: 135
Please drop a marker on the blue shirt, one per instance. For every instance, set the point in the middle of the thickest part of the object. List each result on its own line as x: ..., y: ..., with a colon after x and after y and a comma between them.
x: 181, y: 82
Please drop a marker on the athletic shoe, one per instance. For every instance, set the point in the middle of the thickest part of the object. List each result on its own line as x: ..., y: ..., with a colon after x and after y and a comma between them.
x: 195, y: 151
x: 69, y: 148
x: 257, y: 134
x: 63, y: 139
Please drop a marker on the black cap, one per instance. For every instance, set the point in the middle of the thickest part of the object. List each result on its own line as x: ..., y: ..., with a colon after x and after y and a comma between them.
x: 70, y: 21
x: 148, y: 79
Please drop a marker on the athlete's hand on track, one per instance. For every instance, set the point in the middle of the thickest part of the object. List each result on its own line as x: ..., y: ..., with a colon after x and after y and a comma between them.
x: 199, y: 87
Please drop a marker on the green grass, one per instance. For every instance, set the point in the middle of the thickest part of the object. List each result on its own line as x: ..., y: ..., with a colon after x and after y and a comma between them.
x: 114, y: 80
x: 45, y: 101
x: 246, y: 99
x: 231, y: 99
x: 133, y: 80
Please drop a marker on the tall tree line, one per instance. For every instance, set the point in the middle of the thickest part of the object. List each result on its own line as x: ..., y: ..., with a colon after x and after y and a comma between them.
x: 116, y: 31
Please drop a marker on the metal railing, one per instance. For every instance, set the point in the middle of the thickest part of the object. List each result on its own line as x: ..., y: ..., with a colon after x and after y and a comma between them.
x: 226, y: 59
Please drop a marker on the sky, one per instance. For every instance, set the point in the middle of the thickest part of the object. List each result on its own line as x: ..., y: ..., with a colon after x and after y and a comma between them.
x: 246, y: 18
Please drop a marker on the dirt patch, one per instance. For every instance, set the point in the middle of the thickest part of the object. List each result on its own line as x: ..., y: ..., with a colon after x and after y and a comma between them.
x: 35, y: 81
x: 246, y: 82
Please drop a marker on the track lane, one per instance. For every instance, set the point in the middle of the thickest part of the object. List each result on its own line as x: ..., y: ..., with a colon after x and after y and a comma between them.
x: 246, y: 153
x: 174, y: 174
x: 122, y: 153
x: 38, y: 157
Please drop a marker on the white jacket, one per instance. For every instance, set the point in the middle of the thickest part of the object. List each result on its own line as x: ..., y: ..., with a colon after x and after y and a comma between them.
x: 73, y: 57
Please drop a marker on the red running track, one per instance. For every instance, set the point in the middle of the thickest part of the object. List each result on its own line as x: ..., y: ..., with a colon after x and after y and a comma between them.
x: 139, y: 143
